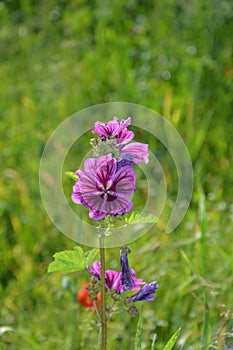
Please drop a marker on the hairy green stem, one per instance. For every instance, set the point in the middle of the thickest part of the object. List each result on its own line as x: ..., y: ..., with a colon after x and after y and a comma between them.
x: 103, y: 293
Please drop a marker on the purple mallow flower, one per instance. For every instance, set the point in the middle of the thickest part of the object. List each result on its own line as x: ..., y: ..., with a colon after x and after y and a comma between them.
x: 126, y: 272
x: 104, y: 188
x: 146, y: 293
x: 113, y: 278
x: 114, y: 129
x: 135, y: 151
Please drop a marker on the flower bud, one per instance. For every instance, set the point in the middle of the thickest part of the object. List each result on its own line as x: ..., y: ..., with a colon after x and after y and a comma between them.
x: 128, y: 301
x: 93, y: 142
x: 116, y: 296
x: 92, y: 295
x: 125, y: 249
x: 133, y: 311
x: 94, y: 280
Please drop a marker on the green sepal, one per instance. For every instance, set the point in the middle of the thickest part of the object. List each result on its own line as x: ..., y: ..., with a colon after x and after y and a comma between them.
x: 72, y: 175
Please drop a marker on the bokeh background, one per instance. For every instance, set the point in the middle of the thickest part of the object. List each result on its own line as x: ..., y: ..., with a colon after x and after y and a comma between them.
x: 58, y: 57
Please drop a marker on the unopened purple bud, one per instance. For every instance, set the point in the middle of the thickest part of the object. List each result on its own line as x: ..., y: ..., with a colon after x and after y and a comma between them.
x: 126, y: 273
x: 146, y: 293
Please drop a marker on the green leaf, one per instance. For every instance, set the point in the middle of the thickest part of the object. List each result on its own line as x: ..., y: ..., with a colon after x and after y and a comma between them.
x: 172, y: 340
x: 138, y: 337
x: 137, y: 218
x: 91, y: 256
x: 72, y: 175
x: 68, y: 261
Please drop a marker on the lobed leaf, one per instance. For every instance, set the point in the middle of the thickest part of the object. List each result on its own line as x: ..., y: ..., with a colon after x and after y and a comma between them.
x: 137, y: 218
x: 91, y: 256
x: 68, y: 261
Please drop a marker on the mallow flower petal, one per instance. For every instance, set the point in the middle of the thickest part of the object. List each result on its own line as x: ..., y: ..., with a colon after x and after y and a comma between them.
x: 125, y: 181
x: 106, y: 171
x: 106, y: 130
x: 112, y: 279
x: 92, y: 165
x: 138, y: 150
x: 120, y: 206
x: 95, y: 269
x: 96, y: 215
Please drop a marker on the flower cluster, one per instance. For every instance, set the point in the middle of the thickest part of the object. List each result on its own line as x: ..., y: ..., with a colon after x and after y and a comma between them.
x: 125, y: 280
x: 107, y: 182
x: 105, y: 186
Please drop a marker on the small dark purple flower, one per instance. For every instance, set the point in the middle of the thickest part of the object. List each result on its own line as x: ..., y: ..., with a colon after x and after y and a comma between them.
x: 126, y: 273
x: 146, y: 293
x: 103, y: 188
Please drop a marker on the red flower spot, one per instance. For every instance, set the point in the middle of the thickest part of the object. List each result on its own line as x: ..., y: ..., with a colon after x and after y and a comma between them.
x: 84, y: 298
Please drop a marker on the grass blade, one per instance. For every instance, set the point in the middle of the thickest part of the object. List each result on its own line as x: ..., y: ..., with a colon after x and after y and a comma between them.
x: 138, y: 337
x: 30, y: 341
x: 203, y: 255
x: 172, y: 340
x: 153, y: 342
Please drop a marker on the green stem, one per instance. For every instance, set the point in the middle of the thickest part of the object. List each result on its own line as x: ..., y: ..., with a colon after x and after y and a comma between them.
x: 74, y: 327
x: 103, y: 292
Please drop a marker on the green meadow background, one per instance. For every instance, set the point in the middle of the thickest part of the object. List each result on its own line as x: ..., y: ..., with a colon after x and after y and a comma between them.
x: 174, y: 56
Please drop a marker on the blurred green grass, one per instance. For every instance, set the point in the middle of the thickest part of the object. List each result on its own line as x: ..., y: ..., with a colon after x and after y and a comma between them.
x: 58, y: 57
